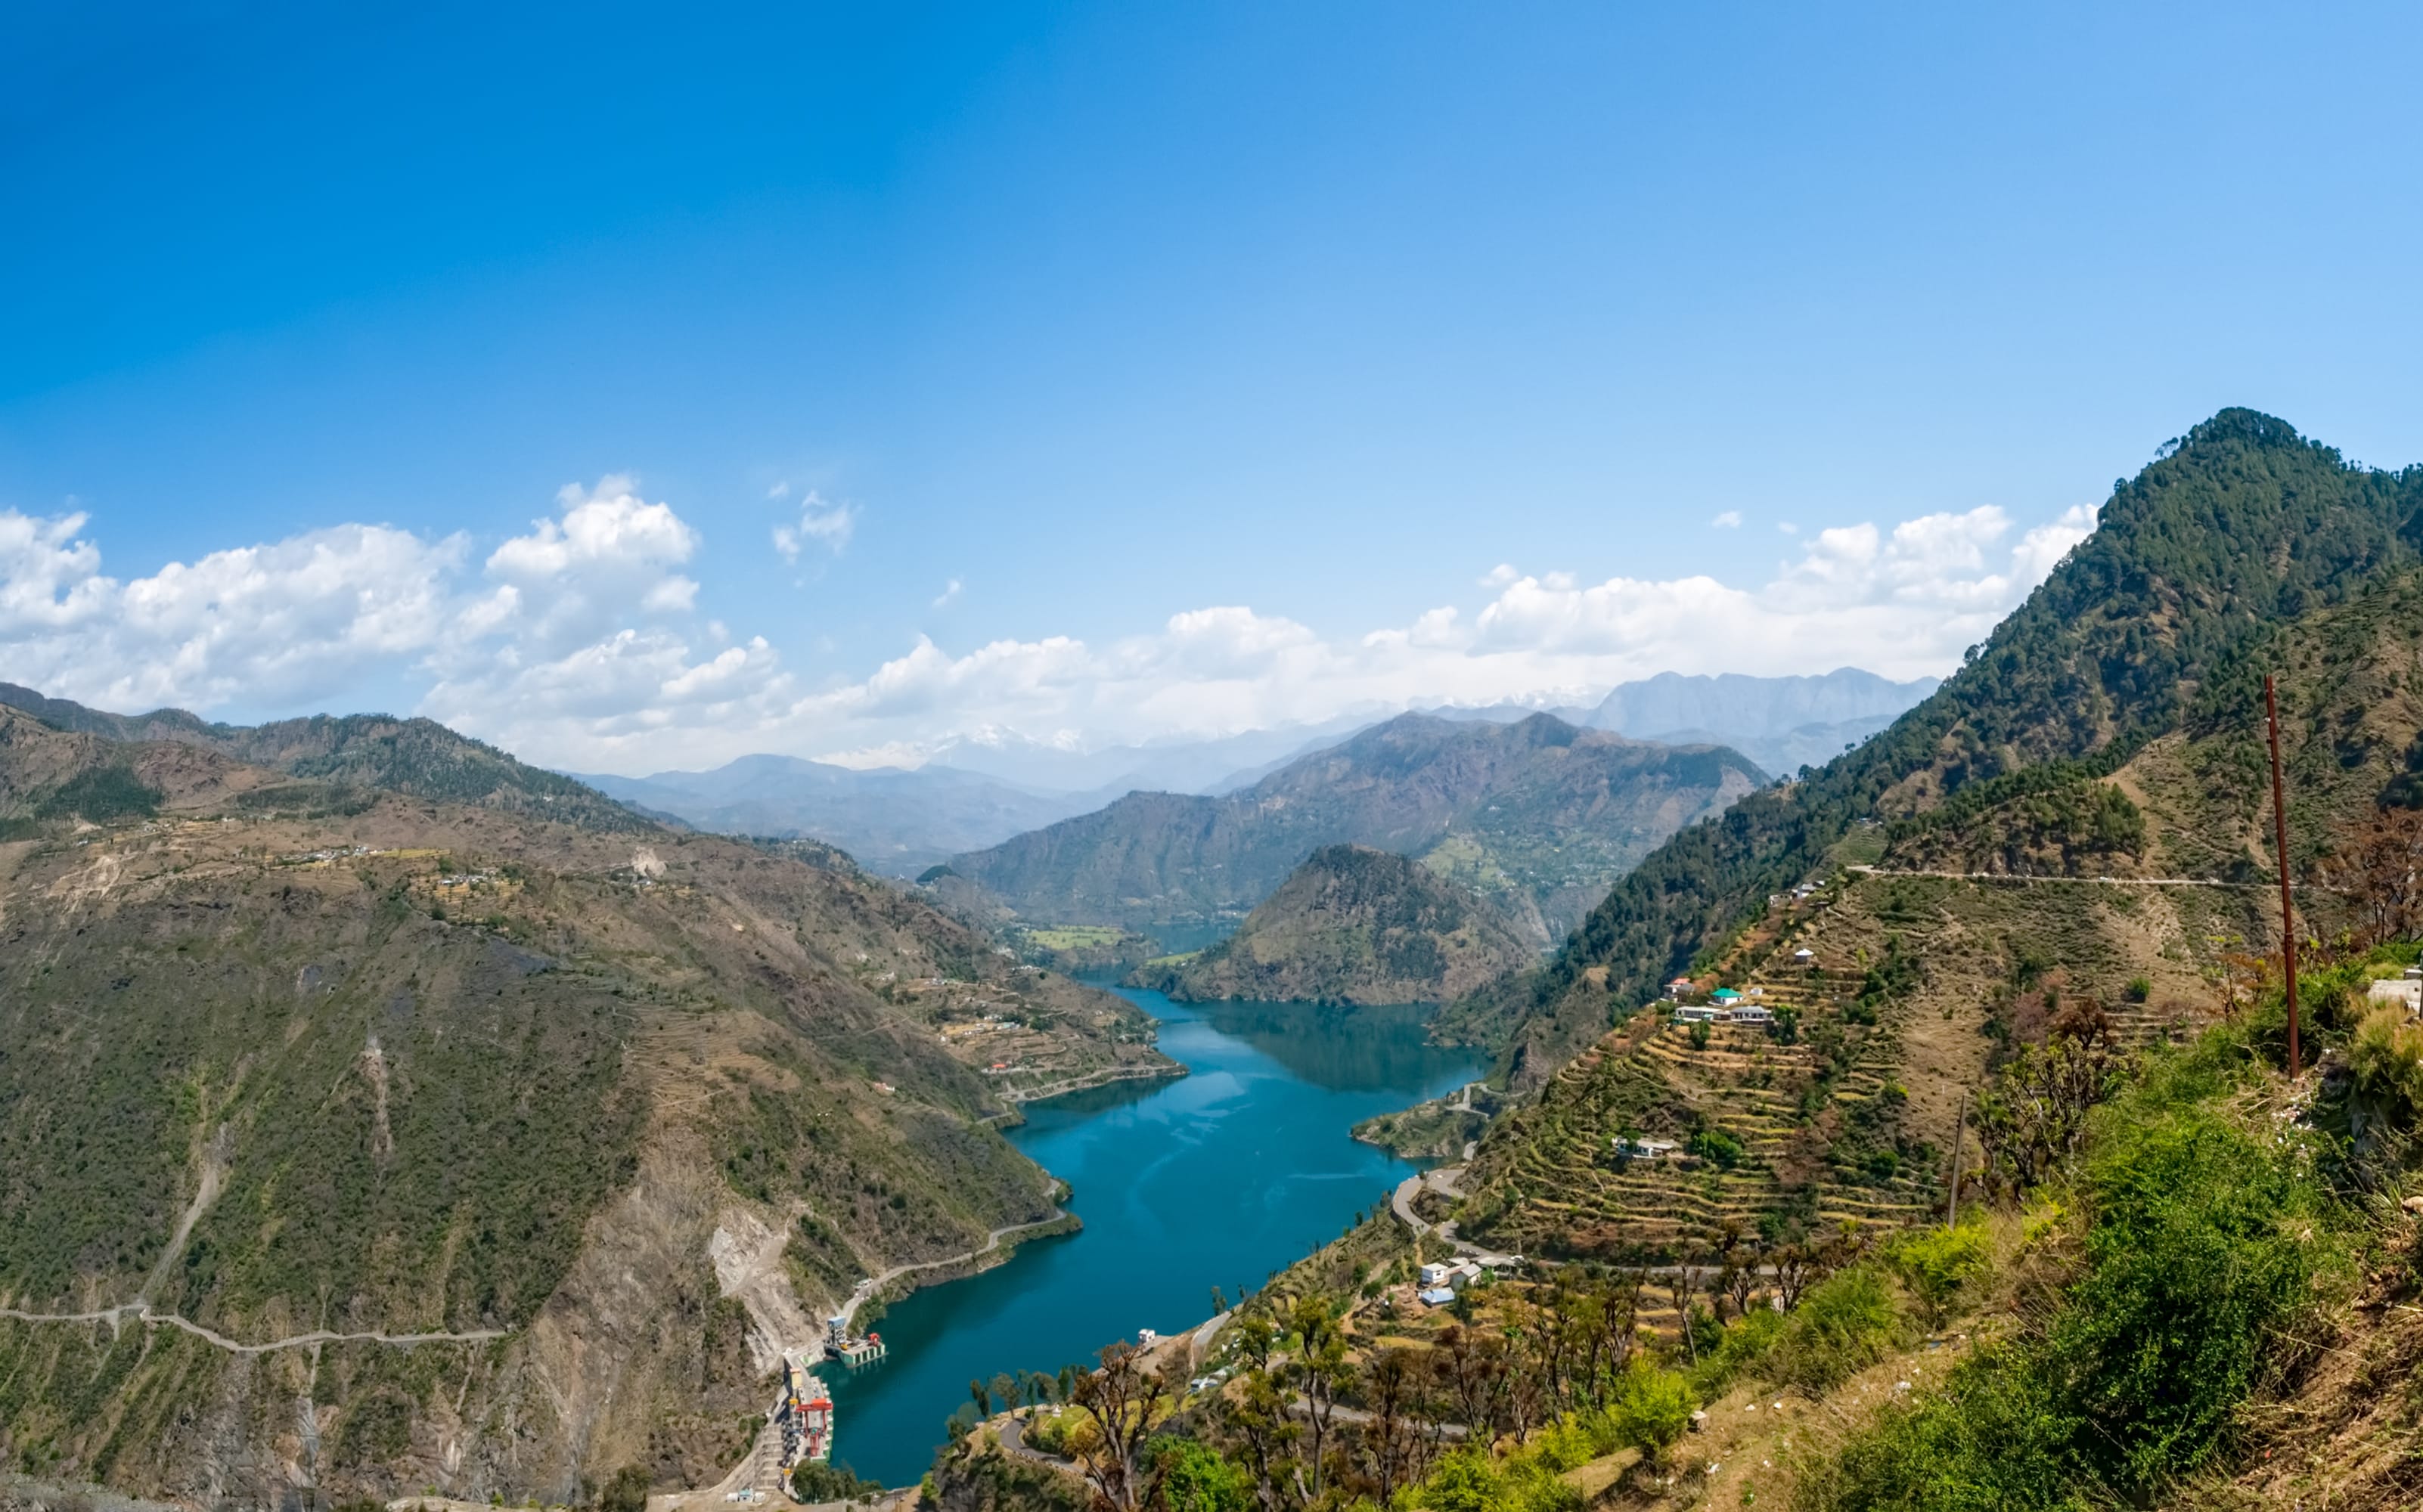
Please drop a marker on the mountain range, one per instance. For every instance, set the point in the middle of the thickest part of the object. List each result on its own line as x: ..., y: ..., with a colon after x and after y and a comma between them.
x: 1537, y: 816
x: 891, y: 820
x: 1782, y: 723
x: 977, y: 790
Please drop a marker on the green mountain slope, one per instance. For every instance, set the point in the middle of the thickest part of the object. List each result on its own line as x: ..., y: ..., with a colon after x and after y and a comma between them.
x: 1353, y: 924
x: 2239, y: 527
x: 617, y: 1115
x: 1537, y: 814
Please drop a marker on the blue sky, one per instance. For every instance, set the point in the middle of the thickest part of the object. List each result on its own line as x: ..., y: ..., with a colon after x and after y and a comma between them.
x: 1214, y: 353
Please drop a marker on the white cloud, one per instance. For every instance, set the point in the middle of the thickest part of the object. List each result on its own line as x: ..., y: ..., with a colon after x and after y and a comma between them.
x: 821, y: 524
x: 1498, y: 576
x: 1729, y: 520
x: 297, y: 620
x: 581, y: 641
x: 948, y: 594
x: 570, y: 636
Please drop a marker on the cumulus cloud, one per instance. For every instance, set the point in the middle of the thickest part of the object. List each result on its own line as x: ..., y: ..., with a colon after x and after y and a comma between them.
x: 573, y: 621
x: 579, y: 643
x: 820, y: 524
x: 1729, y: 520
x: 295, y: 620
x: 1903, y: 602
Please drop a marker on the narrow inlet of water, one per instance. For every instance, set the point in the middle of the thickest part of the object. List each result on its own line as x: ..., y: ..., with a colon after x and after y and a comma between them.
x: 1237, y: 1170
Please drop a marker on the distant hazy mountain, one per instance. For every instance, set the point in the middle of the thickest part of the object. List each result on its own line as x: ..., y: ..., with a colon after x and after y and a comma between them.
x: 1782, y: 723
x: 1174, y: 766
x: 891, y: 820
x: 1538, y: 813
x: 1353, y: 924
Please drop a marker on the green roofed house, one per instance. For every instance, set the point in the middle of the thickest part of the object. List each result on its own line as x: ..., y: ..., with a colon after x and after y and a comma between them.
x: 1724, y: 997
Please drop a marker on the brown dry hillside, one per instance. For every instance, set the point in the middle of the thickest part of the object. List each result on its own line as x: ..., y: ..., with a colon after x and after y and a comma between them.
x: 612, y: 1116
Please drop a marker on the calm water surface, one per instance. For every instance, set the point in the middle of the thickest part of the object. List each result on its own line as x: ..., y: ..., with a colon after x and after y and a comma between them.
x: 1215, y: 1180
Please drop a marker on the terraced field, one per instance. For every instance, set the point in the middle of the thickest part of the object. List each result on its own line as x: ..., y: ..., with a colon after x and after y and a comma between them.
x: 1916, y: 982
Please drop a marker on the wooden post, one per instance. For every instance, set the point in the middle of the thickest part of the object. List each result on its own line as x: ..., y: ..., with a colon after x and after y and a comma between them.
x: 1960, y: 1127
x: 2280, y: 849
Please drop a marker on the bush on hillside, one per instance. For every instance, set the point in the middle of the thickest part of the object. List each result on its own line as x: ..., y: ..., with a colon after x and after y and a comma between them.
x: 1650, y: 1410
x: 1196, y: 1478
x: 1936, y: 1264
x: 1843, y: 1326
x: 2203, y: 1243
x: 626, y: 1492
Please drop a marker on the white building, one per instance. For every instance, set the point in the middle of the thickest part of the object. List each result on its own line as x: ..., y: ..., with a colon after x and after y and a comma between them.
x: 1696, y: 1015
x: 2407, y: 991
x: 1435, y: 1273
x: 1752, y: 1014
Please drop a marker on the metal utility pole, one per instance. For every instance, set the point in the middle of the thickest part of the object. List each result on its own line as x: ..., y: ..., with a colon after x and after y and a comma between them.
x: 2280, y: 849
x: 1960, y: 1127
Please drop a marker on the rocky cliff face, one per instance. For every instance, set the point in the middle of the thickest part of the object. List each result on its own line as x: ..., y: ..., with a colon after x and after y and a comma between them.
x: 1357, y: 925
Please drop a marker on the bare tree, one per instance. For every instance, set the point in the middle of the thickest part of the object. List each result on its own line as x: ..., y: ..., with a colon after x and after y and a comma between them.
x: 1472, y: 1367
x: 1320, y: 1372
x: 2033, y: 1115
x: 1123, y: 1398
x: 1621, y: 1317
x: 2380, y: 871
x: 1683, y: 1284
x: 1261, y: 1417
x: 1392, y: 1441
x: 1796, y: 1269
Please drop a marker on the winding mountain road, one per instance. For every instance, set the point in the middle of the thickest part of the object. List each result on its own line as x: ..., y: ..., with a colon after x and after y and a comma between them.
x: 1440, y: 1179
x: 865, y: 1290
x: 140, y: 1312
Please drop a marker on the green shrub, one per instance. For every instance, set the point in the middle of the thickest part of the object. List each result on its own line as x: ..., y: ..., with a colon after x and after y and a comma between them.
x: 626, y: 1492
x: 1718, y: 1146
x: 1195, y: 1477
x: 1990, y: 1443
x: 1936, y: 1264
x: 2203, y: 1244
x: 1843, y: 1326
x: 1744, y: 1344
x: 812, y: 1482
x: 2384, y: 1062
x: 99, y: 795
x: 1650, y: 1410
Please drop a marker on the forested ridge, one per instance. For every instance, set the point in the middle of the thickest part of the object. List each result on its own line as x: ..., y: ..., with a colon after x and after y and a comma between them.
x: 2236, y: 527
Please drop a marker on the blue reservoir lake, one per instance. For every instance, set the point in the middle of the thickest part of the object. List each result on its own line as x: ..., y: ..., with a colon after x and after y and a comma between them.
x: 1218, y: 1179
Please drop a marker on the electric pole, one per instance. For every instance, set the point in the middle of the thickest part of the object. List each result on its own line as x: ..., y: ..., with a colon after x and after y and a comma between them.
x: 1960, y: 1127
x: 2280, y: 848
